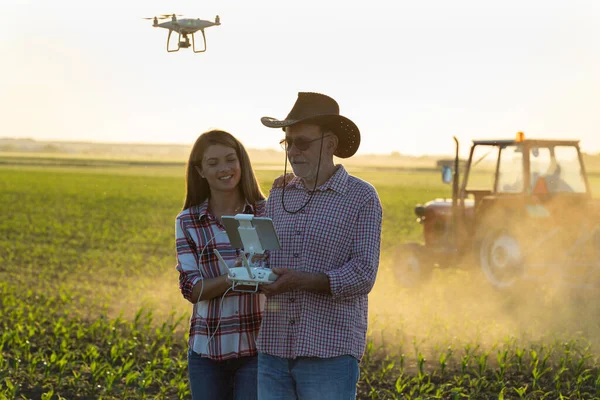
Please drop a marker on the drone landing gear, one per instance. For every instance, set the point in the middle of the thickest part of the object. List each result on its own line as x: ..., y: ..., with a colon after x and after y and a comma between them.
x: 169, y: 41
x: 194, y: 43
x: 185, y: 42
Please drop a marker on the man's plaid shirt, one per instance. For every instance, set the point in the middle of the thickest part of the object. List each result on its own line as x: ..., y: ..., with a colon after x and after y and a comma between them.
x: 337, y: 233
x: 241, y: 313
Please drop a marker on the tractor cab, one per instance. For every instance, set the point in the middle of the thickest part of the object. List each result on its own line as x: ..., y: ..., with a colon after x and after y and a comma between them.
x: 506, y: 185
x: 524, y: 167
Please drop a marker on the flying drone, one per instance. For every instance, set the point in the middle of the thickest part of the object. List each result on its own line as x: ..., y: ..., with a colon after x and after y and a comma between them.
x: 184, y: 27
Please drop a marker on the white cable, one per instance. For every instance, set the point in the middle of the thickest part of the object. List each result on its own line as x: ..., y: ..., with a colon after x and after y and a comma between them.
x: 207, y: 243
x: 222, y: 298
x: 219, y: 322
x: 202, y: 289
x: 200, y: 270
x: 200, y: 295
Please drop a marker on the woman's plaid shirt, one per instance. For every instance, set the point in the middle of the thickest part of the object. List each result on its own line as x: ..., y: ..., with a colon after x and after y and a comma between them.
x: 337, y: 233
x: 240, y: 314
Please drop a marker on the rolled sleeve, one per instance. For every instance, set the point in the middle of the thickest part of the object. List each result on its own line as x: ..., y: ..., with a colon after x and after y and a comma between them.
x: 357, y: 276
x: 187, y: 261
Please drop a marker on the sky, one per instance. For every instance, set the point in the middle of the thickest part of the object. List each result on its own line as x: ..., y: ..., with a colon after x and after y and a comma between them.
x: 410, y: 74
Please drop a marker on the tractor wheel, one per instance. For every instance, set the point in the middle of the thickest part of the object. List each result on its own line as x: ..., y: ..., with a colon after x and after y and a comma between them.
x: 411, y: 265
x: 500, y: 258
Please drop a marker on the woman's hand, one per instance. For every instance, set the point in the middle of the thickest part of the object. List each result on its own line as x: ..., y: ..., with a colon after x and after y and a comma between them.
x: 279, y: 181
x: 256, y: 259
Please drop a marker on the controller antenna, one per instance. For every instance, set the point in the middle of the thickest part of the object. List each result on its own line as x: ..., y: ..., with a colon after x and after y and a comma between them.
x: 247, y: 265
x: 222, y: 261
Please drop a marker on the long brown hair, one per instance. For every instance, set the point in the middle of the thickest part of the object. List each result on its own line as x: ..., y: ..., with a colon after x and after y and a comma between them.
x: 197, y: 188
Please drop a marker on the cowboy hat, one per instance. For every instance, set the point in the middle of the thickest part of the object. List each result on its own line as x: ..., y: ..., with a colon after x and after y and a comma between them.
x: 322, y: 110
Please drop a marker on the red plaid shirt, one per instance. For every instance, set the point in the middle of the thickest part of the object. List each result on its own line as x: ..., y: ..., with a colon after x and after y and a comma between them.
x: 337, y: 233
x: 241, y: 313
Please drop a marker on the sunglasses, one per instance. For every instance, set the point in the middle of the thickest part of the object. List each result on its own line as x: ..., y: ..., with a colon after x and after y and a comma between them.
x: 300, y: 143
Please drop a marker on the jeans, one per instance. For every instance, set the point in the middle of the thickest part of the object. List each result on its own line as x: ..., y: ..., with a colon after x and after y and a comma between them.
x: 233, y: 379
x: 307, y: 378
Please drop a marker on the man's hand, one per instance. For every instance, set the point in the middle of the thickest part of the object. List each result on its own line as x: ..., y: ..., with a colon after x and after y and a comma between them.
x: 291, y: 279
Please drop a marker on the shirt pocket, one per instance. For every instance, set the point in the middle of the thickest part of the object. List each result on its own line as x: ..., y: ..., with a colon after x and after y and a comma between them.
x: 328, y: 244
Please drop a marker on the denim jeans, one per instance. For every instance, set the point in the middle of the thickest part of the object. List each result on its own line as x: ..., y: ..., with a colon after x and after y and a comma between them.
x: 307, y: 378
x: 233, y: 379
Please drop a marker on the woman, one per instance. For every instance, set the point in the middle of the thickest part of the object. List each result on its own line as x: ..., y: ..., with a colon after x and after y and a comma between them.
x: 222, y: 355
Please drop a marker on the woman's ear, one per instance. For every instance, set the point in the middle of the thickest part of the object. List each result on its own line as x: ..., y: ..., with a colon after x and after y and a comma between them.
x: 199, y: 170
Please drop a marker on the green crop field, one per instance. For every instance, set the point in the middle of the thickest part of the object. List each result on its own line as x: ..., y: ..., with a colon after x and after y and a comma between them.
x: 90, y: 308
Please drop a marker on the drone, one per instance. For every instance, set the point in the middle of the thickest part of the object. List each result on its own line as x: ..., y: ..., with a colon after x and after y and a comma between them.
x: 184, y: 27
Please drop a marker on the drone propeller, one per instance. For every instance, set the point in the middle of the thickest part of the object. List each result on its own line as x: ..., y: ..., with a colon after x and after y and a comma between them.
x: 163, y: 16
x: 157, y: 18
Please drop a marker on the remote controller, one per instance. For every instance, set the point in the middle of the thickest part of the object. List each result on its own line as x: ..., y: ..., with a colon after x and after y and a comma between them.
x: 254, y: 235
x: 247, y: 274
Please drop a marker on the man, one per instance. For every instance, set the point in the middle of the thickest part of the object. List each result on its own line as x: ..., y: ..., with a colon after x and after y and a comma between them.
x: 314, y: 326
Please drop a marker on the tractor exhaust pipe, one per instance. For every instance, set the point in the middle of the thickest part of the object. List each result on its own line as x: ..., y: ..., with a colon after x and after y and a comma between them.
x: 455, y: 195
x: 455, y: 177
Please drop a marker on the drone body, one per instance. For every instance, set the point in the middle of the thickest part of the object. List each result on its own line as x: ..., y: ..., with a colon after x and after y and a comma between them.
x: 184, y: 27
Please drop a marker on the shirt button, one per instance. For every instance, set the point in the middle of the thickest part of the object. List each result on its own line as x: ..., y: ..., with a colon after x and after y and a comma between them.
x: 292, y: 299
x: 296, y: 255
x: 292, y: 322
x: 303, y: 211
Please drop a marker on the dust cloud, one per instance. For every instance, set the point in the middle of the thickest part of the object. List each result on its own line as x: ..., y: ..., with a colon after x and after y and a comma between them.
x: 456, y: 308
x: 155, y: 294
x: 459, y: 309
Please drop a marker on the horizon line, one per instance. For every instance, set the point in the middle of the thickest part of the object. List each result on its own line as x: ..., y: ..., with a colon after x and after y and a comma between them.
x: 277, y: 150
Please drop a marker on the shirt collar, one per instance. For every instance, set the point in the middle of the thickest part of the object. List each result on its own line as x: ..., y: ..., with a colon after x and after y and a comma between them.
x: 203, y: 209
x: 338, y: 181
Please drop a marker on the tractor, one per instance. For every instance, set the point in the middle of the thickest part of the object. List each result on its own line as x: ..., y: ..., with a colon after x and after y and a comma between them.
x: 521, y: 210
